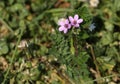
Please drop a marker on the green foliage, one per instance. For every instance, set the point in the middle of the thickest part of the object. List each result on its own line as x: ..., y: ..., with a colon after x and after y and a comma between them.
x: 68, y: 49
x: 3, y: 47
x: 107, y: 38
x: 84, y: 13
x: 34, y: 51
x: 76, y: 64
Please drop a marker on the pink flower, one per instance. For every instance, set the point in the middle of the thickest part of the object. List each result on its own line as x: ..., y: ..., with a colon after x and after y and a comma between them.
x: 75, y: 22
x: 64, y: 25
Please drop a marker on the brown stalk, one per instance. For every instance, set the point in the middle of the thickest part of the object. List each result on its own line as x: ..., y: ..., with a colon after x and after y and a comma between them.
x: 97, y: 72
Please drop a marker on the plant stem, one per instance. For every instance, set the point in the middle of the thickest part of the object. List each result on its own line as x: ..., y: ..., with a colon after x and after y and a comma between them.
x: 72, y: 47
x: 101, y: 78
x: 13, y: 56
x: 93, y: 56
x: 95, y: 62
x: 4, y: 23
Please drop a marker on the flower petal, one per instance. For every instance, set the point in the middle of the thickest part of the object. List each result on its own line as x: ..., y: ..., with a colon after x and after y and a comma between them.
x: 76, y: 17
x: 77, y: 25
x: 66, y: 21
x: 71, y: 19
x: 69, y: 26
x: 61, y: 28
x: 92, y: 27
x: 61, y: 21
x: 80, y: 21
x: 65, y: 31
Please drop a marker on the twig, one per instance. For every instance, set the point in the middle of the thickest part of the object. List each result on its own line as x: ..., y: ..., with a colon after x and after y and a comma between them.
x: 95, y: 62
x: 93, y: 56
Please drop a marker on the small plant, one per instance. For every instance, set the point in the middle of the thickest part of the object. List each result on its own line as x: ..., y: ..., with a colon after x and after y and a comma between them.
x: 59, y: 42
x: 69, y: 45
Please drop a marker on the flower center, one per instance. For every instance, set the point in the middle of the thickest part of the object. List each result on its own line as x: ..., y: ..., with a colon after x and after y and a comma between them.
x: 66, y: 25
x: 74, y: 22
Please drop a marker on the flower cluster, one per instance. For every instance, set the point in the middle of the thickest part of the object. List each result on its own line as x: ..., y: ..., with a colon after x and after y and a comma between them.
x: 66, y: 24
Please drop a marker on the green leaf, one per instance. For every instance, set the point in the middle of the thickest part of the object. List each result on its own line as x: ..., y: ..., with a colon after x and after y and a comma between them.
x: 117, y: 5
x: 106, y: 63
x: 107, y: 38
x: 111, y: 51
x: 3, y: 48
x: 85, y: 14
x: 11, y: 2
x: 116, y: 35
x: 109, y: 26
x: 35, y: 74
x: 119, y: 37
x: 84, y: 35
x: 16, y: 7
